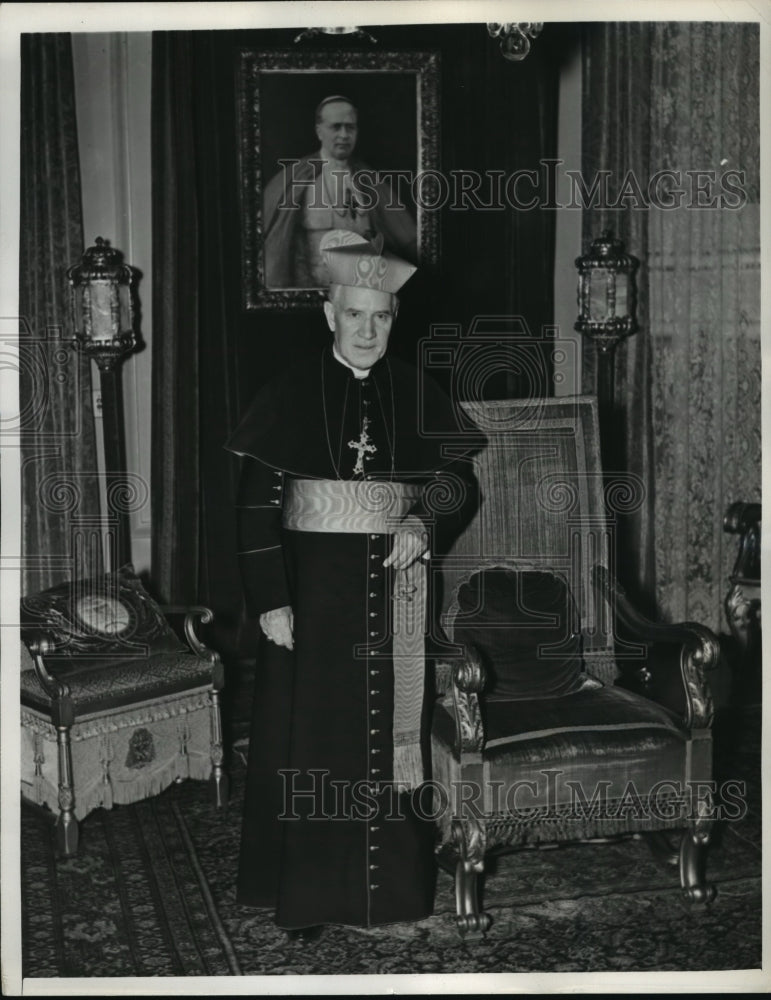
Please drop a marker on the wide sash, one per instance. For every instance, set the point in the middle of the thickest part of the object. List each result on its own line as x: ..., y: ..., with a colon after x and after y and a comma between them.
x: 346, y: 505
x: 366, y: 506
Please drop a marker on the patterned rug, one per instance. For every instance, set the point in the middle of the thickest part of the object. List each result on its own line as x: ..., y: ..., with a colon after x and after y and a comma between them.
x: 151, y: 893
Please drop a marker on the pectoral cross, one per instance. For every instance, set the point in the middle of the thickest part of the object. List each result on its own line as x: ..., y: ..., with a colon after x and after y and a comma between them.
x: 362, y: 446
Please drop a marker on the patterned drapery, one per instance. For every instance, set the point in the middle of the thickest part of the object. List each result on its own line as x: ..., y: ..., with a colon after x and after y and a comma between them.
x: 682, y: 97
x: 60, y: 488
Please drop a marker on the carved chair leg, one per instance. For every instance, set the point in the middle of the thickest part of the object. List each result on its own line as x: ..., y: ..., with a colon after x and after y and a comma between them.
x: 66, y: 824
x: 220, y: 784
x: 469, y: 837
x: 693, y: 849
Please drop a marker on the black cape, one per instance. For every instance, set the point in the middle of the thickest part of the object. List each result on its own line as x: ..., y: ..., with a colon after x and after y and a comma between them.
x: 284, y: 427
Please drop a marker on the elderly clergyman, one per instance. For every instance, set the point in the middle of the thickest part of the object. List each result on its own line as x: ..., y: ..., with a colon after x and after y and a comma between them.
x: 320, y: 193
x: 335, y: 527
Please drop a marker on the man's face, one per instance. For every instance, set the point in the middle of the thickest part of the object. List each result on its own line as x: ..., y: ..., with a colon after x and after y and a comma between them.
x: 337, y: 130
x: 361, y: 320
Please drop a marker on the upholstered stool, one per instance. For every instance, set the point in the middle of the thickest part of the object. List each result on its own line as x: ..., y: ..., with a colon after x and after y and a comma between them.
x: 114, y: 707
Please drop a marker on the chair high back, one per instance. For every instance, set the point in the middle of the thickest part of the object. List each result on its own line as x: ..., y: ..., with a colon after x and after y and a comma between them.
x: 542, y: 507
x: 546, y: 507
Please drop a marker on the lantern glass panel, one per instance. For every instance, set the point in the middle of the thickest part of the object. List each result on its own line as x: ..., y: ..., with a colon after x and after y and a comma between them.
x: 598, y: 295
x: 77, y: 310
x: 101, y: 311
x: 124, y: 293
x: 622, y: 296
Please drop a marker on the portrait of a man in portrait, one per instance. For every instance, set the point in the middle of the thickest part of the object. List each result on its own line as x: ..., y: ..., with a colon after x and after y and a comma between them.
x: 332, y: 189
x: 331, y: 142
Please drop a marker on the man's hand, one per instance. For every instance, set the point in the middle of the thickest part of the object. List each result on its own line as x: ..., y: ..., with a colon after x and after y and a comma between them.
x: 278, y: 626
x: 410, y: 542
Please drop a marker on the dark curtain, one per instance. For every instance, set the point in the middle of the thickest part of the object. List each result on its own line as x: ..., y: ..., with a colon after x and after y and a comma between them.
x: 60, y: 509
x: 195, y: 348
x: 682, y: 96
x: 210, y: 356
x: 176, y: 460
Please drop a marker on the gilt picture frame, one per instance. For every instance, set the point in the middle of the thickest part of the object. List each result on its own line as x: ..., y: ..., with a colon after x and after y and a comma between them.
x: 394, y: 162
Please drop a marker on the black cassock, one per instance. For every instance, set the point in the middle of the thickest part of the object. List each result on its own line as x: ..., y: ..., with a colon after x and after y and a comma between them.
x: 351, y: 850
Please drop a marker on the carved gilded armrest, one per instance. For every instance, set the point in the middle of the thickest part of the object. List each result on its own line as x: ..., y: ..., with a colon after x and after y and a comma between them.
x: 62, y: 710
x: 742, y: 603
x: 196, y: 615
x: 468, y: 680
x: 698, y: 646
x: 744, y: 519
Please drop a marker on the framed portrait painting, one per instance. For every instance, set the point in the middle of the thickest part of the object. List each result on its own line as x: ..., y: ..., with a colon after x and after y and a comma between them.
x: 333, y: 140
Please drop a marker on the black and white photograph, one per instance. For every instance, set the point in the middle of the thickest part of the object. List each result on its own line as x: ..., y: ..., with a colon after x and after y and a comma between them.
x: 381, y: 452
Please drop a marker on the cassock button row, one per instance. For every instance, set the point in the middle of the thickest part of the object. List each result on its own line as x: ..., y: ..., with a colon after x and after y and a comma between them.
x: 374, y: 868
x: 374, y: 829
x: 374, y: 537
x: 373, y: 634
x: 373, y: 614
x: 374, y: 673
x: 373, y: 886
x: 374, y: 691
x: 373, y: 593
x: 374, y: 847
x: 374, y: 711
x: 373, y: 576
x: 374, y: 732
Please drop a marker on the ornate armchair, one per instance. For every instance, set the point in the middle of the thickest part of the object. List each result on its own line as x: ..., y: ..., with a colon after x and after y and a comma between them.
x: 742, y: 603
x: 114, y: 706
x: 563, y: 714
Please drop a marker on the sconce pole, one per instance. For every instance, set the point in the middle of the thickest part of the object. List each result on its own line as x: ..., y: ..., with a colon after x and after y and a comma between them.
x: 606, y: 378
x: 115, y: 465
x: 610, y: 443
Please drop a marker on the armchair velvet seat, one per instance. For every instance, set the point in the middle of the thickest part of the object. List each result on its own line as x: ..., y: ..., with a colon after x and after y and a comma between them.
x: 550, y: 727
x: 573, y: 729
x: 114, y: 706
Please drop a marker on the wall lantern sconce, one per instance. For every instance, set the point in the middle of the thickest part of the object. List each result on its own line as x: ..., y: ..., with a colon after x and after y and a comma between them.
x: 102, y: 290
x: 515, y: 38
x: 102, y: 305
x: 607, y: 300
